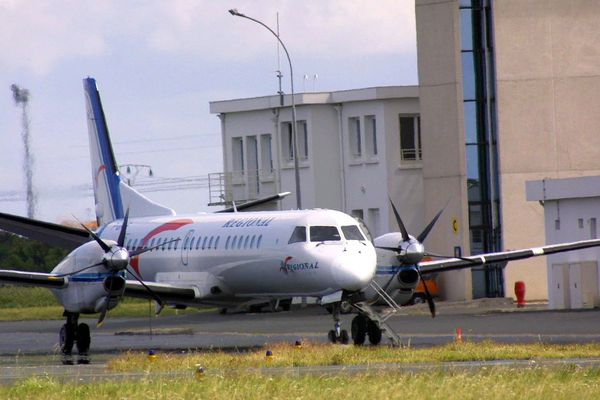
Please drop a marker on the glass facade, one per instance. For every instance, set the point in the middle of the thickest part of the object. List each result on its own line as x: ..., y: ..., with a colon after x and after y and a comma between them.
x: 479, y: 108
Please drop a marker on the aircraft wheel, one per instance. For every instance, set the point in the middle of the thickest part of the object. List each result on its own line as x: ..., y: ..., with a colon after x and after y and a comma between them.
x: 359, y: 330
x: 331, y: 336
x: 374, y: 333
x: 83, y: 339
x: 344, y: 338
x: 66, y: 339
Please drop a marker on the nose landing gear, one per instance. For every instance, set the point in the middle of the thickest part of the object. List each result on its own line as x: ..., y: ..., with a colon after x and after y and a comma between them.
x: 338, y: 335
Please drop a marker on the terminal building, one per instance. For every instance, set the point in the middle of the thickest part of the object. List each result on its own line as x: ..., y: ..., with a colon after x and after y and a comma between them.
x: 508, y: 93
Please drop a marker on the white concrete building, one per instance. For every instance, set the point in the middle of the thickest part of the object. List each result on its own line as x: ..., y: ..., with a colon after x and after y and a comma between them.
x: 355, y: 147
x: 571, y: 210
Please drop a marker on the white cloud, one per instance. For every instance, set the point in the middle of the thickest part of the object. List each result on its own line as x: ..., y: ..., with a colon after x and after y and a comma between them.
x: 38, y: 38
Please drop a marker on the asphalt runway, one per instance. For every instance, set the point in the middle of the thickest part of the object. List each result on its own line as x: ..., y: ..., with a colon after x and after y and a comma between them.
x: 30, y: 348
x: 247, y: 330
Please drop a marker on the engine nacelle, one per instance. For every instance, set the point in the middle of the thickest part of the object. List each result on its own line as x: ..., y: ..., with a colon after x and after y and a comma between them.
x: 88, y: 290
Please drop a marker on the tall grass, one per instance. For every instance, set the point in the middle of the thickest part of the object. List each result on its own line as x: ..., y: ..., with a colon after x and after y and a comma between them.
x: 286, y: 355
x: 495, y: 383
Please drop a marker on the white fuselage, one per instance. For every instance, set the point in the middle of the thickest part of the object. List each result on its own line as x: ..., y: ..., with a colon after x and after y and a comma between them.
x: 228, y: 256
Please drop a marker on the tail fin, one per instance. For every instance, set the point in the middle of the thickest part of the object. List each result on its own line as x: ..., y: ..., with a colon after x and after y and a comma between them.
x: 111, y: 195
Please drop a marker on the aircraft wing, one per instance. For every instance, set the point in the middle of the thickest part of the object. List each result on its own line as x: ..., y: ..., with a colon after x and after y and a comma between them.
x: 449, y: 264
x: 32, y: 279
x: 166, y: 292
x: 61, y: 236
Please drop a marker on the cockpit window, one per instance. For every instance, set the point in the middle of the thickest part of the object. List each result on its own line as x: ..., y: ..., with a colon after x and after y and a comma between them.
x: 299, y: 235
x: 324, y: 233
x: 351, y: 232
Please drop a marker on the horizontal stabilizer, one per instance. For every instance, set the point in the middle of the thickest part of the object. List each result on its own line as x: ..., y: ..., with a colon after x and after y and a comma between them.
x: 254, y: 203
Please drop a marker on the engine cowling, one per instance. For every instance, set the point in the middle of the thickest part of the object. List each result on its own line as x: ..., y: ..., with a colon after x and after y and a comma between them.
x: 87, y: 289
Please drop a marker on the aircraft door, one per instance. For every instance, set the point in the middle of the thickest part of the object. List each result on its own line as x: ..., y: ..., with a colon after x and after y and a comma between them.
x: 187, y: 246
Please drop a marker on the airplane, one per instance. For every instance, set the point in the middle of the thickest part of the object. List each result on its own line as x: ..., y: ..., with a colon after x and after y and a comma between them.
x: 143, y: 249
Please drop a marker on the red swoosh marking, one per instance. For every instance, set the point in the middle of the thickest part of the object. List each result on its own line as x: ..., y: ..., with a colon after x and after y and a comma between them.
x: 169, y: 226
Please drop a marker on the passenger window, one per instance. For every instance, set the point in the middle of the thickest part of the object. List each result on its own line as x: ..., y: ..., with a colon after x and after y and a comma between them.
x: 210, y: 242
x: 324, y: 233
x: 299, y: 235
x: 351, y: 232
x: 198, y: 242
x: 170, y: 244
x: 258, y: 241
x: 152, y: 243
x: 217, y: 242
x: 252, y: 241
x: 133, y: 246
x: 204, y: 242
x: 240, y: 242
x: 128, y: 245
x: 233, y: 243
x: 185, y: 242
x: 246, y: 242
x: 227, y: 242
x: 176, y: 243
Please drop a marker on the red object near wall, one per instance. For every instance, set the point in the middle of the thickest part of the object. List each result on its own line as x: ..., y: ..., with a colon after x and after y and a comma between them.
x: 520, y: 293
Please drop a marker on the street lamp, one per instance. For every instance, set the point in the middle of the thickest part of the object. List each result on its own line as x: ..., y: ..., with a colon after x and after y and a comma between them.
x: 236, y: 13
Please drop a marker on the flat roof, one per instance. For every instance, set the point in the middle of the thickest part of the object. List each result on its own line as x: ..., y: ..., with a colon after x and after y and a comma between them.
x: 567, y: 188
x: 341, y: 96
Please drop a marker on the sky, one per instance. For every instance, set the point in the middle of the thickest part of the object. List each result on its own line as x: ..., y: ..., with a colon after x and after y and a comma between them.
x: 158, y: 64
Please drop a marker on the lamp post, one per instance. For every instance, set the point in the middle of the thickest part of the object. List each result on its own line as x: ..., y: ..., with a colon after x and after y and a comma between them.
x: 236, y: 13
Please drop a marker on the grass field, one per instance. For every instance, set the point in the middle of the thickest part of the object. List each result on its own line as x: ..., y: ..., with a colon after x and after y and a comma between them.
x: 286, y: 355
x: 19, y: 303
x: 495, y: 383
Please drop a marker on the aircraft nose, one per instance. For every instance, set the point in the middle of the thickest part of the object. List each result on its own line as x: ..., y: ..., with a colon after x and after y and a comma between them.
x: 354, y: 271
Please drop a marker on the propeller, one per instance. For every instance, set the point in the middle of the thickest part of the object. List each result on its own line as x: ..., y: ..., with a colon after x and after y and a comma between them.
x: 410, y: 250
x: 116, y: 258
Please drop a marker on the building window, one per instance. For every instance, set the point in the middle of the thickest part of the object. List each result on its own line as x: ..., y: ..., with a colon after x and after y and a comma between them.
x: 371, y: 136
x: 237, y: 150
x: 266, y: 155
x: 358, y: 214
x: 355, y: 137
x: 287, y: 140
x: 410, y: 138
x: 302, y: 132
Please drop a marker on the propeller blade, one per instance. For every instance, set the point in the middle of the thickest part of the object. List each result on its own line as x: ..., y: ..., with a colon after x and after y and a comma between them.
x: 123, y: 232
x: 405, y: 236
x: 428, y: 296
x: 141, y: 251
x: 80, y: 270
x: 106, y: 303
x: 104, y: 246
x: 102, y: 314
x: 154, y: 295
x: 423, y: 235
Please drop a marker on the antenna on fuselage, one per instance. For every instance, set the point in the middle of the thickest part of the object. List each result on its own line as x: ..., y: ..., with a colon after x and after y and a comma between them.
x: 234, y: 207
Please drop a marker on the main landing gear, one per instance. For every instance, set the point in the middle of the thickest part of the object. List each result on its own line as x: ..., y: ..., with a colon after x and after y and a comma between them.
x: 72, y: 334
x: 368, y: 323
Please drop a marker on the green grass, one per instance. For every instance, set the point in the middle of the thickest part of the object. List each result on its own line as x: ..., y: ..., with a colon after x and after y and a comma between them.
x: 495, y: 383
x: 19, y: 303
x: 286, y: 355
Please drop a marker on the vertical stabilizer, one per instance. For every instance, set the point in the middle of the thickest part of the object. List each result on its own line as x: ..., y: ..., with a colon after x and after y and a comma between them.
x: 111, y: 195
x: 105, y: 173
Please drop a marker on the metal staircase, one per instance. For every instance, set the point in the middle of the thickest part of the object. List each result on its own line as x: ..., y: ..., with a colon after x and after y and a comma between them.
x: 380, y: 318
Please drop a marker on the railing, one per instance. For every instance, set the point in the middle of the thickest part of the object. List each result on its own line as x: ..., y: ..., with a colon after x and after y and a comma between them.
x: 411, y: 154
x: 241, y: 186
